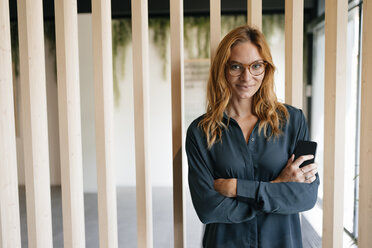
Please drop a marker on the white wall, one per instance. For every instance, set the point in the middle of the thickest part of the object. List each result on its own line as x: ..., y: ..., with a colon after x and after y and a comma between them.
x: 87, y: 101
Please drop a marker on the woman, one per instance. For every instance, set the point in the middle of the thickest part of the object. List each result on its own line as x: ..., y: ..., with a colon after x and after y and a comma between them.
x: 244, y: 182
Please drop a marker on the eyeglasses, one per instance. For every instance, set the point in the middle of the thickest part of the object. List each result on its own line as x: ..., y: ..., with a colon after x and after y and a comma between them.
x: 256, y: 68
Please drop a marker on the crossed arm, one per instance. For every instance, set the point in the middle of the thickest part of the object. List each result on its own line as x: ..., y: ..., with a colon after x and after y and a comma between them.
x: 291, y: 173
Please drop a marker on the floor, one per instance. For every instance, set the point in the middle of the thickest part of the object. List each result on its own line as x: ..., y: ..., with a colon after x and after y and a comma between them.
x: 127, y: 228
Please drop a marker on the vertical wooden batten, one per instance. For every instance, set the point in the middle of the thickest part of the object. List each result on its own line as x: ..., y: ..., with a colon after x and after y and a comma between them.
x: 35, y: 126
x: 336, y: 14
x: 141, y: 122
x: 103, y: 98
x: 10, y: 235
x: 69, y: 122
x: 254, y: 13
x: 365, y: 171
x: 215, y: 25
x: 294, y: 20
x: 177, y: 70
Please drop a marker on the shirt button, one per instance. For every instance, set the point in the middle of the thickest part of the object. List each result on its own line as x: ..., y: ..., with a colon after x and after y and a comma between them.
x: 252, y: 139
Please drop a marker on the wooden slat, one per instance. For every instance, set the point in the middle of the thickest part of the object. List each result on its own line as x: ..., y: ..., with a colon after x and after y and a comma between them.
x: 10, y: 235
x: 141, y: 122
x: 334, y: 121
x: 365, y: 171
x: 177, y: 70
x: 103, y: 99
x: 69, y: 122
x: 215, y: 25
x: 254, y: 13
x: 35, y: 126
x: 294, y: 15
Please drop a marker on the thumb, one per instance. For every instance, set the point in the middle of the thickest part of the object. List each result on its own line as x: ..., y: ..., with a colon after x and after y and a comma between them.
x: 291, y: 159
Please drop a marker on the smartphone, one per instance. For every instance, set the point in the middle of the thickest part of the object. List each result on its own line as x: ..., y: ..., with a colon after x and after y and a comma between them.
x: 305, y: 148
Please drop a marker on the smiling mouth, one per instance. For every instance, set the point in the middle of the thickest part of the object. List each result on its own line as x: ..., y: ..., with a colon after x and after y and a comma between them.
x: 245, y: 86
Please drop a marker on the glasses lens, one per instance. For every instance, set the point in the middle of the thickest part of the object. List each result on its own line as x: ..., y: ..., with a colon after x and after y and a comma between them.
x: 235, y: 69
x: 257, y: 68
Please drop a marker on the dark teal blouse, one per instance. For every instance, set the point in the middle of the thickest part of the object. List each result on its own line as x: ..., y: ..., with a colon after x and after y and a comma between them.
x: 263, y: 214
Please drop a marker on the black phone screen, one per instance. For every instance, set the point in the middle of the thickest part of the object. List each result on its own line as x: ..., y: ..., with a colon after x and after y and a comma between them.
x: 305, y: 148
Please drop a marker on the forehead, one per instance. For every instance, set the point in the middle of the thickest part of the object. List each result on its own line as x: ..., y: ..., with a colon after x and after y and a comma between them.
x: 245, y: 52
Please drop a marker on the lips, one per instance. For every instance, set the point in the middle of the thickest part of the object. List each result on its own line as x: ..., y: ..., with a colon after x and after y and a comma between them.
x: 245, y: 86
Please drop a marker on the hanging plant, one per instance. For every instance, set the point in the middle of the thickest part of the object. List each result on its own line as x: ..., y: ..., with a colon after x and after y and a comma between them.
x: 229, y: 22
x: 196, y: 35
x: 160, y: 37
x: 121, y: 37
x: 270, y: 23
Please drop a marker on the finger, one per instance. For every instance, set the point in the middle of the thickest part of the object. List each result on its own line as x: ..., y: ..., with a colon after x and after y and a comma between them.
x: 309, y: 167
x: 302, y: 159
x: 310, y: 173
x: 310, y: 176
x: 290, y: 160
x: 306, y: 157
x: 312, y: 179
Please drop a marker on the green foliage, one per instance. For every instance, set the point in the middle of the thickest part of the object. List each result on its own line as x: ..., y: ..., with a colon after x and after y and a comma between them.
x: 197, y: 35
x: 229, y: 22
x: 161, y: 33
x: 121, y: 37
x: 270, y: 23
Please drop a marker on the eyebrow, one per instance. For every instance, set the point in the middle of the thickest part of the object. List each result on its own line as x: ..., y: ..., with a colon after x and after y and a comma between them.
x: 234, y: 61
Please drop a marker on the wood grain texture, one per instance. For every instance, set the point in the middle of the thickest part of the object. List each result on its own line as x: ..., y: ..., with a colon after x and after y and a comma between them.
x: 10, y: 235
x: 141, y: 122
x: 336, y: 15
x: 104, y: 107
x: 365, y: 171
x: 70, y: 123
x: 254, y: 13
x: 294, y: 21
x: 35, y: 125
x: 177, y: 77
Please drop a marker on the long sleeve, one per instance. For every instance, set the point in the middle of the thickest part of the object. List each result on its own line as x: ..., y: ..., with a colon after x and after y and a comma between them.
x: 210, y: 206
x: 281, y: 198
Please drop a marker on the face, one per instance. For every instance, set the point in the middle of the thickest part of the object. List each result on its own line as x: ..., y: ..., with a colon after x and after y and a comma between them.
x: 245, y: 85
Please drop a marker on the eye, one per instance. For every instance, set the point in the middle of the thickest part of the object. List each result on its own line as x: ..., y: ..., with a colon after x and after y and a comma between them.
x: 236, y: 67
x: 257, y: 66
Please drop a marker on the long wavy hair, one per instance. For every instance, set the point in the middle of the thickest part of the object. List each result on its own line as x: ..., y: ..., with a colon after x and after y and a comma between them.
x: 271, y: 113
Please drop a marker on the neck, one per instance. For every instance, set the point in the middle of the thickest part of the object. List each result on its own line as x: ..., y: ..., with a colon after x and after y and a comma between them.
x: 240, y: 108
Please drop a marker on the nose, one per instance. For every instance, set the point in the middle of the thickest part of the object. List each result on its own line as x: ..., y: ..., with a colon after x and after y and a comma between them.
x: 246, y: 75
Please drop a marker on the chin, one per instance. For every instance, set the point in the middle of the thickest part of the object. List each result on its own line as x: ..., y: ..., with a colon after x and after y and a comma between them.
x: 244, y: 95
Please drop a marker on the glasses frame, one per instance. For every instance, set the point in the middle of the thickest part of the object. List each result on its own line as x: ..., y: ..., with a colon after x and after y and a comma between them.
x: 247, y: 66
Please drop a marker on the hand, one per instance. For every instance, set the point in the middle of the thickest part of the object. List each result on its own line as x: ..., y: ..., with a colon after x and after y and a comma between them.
x: 293, y: 173
x: 226, y: 187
